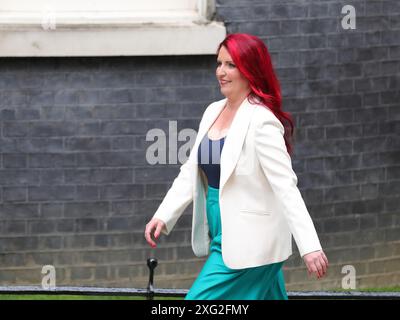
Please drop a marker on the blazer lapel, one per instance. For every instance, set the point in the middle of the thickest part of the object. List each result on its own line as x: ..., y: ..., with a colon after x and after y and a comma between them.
x: 234, y: 141
x: 208, y: 123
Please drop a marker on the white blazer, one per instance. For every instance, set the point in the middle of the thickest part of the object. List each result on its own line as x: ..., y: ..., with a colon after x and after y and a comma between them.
x: 260, y: 204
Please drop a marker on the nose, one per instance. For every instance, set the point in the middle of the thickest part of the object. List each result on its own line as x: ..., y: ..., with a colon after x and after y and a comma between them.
x: 221, y: 71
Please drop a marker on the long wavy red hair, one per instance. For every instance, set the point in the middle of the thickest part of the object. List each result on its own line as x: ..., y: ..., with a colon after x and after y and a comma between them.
x: 253, y: 60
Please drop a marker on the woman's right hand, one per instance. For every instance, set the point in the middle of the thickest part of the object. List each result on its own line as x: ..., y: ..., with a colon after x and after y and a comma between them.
x: 156, y: 224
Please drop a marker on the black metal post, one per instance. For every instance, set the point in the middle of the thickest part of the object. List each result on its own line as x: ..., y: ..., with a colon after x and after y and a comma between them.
x: 152, y: 264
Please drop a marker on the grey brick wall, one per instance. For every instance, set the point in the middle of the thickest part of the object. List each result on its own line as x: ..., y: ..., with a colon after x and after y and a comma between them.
x: 76, y: 190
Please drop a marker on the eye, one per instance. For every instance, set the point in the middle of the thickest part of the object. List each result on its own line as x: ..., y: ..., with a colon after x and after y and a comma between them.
x: 232, y: 65
x: 218, y: 63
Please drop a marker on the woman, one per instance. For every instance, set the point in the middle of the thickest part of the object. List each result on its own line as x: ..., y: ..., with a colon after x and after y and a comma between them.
x: 246, y: 204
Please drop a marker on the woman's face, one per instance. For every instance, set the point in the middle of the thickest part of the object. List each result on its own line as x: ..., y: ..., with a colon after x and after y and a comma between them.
x: 232, y: 83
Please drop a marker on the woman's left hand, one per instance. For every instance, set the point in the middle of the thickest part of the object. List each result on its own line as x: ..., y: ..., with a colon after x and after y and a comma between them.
x: 316, y: 262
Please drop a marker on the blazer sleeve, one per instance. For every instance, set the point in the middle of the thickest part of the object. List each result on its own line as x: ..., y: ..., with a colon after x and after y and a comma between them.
x: 276, y: 164
x: 180, y: 194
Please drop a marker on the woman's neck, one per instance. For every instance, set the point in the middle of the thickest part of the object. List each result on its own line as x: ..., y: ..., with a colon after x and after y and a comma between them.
x: 233, y: 103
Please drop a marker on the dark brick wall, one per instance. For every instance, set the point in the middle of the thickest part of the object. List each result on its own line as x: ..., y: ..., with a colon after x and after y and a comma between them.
x: 76, y: 190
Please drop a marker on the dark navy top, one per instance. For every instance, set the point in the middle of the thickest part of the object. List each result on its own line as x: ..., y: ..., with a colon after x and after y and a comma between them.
x: 208, y: 157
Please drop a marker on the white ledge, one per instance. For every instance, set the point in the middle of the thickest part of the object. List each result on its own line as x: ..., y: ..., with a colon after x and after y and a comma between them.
x: 109, y: 38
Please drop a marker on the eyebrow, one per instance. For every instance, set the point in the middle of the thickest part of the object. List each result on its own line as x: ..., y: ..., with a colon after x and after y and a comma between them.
x: 226, y: 60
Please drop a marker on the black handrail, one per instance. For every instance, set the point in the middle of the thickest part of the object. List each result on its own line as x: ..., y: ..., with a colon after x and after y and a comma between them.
x: 293, y: 295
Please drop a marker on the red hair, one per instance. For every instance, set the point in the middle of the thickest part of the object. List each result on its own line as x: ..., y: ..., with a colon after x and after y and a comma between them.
x: 252, y: 58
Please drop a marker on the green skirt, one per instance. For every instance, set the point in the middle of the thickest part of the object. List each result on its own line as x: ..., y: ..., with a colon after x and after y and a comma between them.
x: 218, y: 282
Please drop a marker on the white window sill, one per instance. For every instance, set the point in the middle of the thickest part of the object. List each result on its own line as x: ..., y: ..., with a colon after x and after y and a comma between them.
x: 109, y: 36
